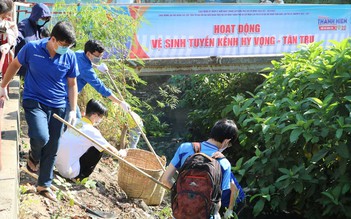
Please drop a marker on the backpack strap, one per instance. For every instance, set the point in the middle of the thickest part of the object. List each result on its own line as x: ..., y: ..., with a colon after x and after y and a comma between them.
x: 196, y: 147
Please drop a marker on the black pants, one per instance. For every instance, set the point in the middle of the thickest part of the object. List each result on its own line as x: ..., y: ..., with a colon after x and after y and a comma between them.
x: 88, y: 162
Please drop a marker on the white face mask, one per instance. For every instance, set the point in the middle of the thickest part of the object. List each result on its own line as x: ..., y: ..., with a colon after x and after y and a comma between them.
x: 225, y: 146
x: 96, y: 123
x: 222, y: 149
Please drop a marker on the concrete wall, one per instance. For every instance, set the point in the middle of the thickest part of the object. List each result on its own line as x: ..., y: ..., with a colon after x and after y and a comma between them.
x: 9, y: 173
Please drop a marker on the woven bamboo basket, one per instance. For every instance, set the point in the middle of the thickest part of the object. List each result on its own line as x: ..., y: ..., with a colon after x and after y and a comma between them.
x: 159, y: 192
x: 135, y: 184
x: 156, y: 197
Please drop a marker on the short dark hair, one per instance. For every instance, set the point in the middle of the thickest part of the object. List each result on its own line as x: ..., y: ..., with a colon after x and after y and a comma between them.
x: 95, y: 106
x: 93, y: 45
x: 6, y: 6
x: 63, y: 31
x: 224, y: 129
x: 44, y: 32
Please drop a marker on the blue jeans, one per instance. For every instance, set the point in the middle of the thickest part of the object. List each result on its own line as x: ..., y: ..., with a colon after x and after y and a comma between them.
x: 44, y: 132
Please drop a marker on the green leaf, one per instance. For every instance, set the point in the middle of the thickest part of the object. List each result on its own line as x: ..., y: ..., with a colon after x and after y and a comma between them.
x: 247, y: 103
x: 295, y: 135
x: 284, y: 170
x: 71, y: 202
x: 236, y: 110
x: 343, y: 151
x: 345, y: 188
x: 338, y: 133
x: 239, y: 162
x: 331, y: 197
x: 336, y: 191
x: 265, y: 128
x: 250, y: 162
x: 242, y: 172
x: 310, y: 111
x: 307, y: 136
x: 289, y: 127
x: 258, y: 152
x: 316, y: 101
x: 327, y: 99
x: 264, y: 160
x: 319, y: 155
x: 258, y: 207
x: 298, y: 187
x: 267, y: 197
x: 282, y: 178
x: 255, y: 196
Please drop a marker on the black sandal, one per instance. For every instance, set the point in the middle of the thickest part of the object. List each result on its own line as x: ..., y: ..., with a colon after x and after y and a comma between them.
x: 48, y: 193
x: 32, y: 162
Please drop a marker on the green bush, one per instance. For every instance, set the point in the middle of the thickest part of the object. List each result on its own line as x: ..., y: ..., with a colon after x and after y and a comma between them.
x: 207, y: 95
x: 295, y: 134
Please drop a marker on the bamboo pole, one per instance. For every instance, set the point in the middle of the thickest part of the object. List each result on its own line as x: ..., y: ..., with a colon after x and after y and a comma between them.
x: 136, y: 122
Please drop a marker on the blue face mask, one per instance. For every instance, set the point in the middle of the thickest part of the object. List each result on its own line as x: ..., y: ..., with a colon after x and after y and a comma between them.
x: 96, y: 60
x: 61, y: 50
x: 41, y: 22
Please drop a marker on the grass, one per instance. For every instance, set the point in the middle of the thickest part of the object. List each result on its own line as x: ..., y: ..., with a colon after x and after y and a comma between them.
x: 165, y: 213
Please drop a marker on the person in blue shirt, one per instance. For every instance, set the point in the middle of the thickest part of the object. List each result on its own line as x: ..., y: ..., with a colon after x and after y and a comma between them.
x: 29, y: 29
x: 92, y: 54
x: 51, y: 67
x: 222, y: 135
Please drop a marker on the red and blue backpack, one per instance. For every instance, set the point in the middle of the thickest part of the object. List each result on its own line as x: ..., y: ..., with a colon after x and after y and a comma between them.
x: 197, y: 189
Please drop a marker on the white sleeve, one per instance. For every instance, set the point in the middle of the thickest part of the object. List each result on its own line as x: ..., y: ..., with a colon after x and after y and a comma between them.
x: 96, y: 135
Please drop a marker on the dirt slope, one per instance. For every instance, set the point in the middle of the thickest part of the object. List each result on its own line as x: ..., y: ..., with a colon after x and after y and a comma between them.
x: 106, y: 197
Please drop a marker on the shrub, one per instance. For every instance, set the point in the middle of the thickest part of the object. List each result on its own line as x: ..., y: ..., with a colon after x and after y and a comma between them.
x: 295, y: 134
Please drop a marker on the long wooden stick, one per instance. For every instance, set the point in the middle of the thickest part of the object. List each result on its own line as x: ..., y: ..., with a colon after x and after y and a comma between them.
x: 136, y: 122
x: 110, y: 152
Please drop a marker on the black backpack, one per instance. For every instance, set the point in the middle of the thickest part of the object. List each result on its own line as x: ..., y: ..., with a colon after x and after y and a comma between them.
x: 197, y: 189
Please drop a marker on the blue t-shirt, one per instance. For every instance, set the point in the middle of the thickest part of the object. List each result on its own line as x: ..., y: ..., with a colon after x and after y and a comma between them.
x: 46, y: 77
x: 88, y: 75
x: 186, y: 149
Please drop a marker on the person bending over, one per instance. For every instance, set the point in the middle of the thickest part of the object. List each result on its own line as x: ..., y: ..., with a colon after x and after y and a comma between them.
x: 92, y: 54
x: 77, y: 156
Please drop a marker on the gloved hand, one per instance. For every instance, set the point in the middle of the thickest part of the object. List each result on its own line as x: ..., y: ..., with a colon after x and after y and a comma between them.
x: 5, y: 48
x: 125, y: 106
x: 228, y: 214
x: 217, y: 216
x: 102, y: 68
x: 72, y: 117
x: 122, y: 153
x: 3, y: 93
